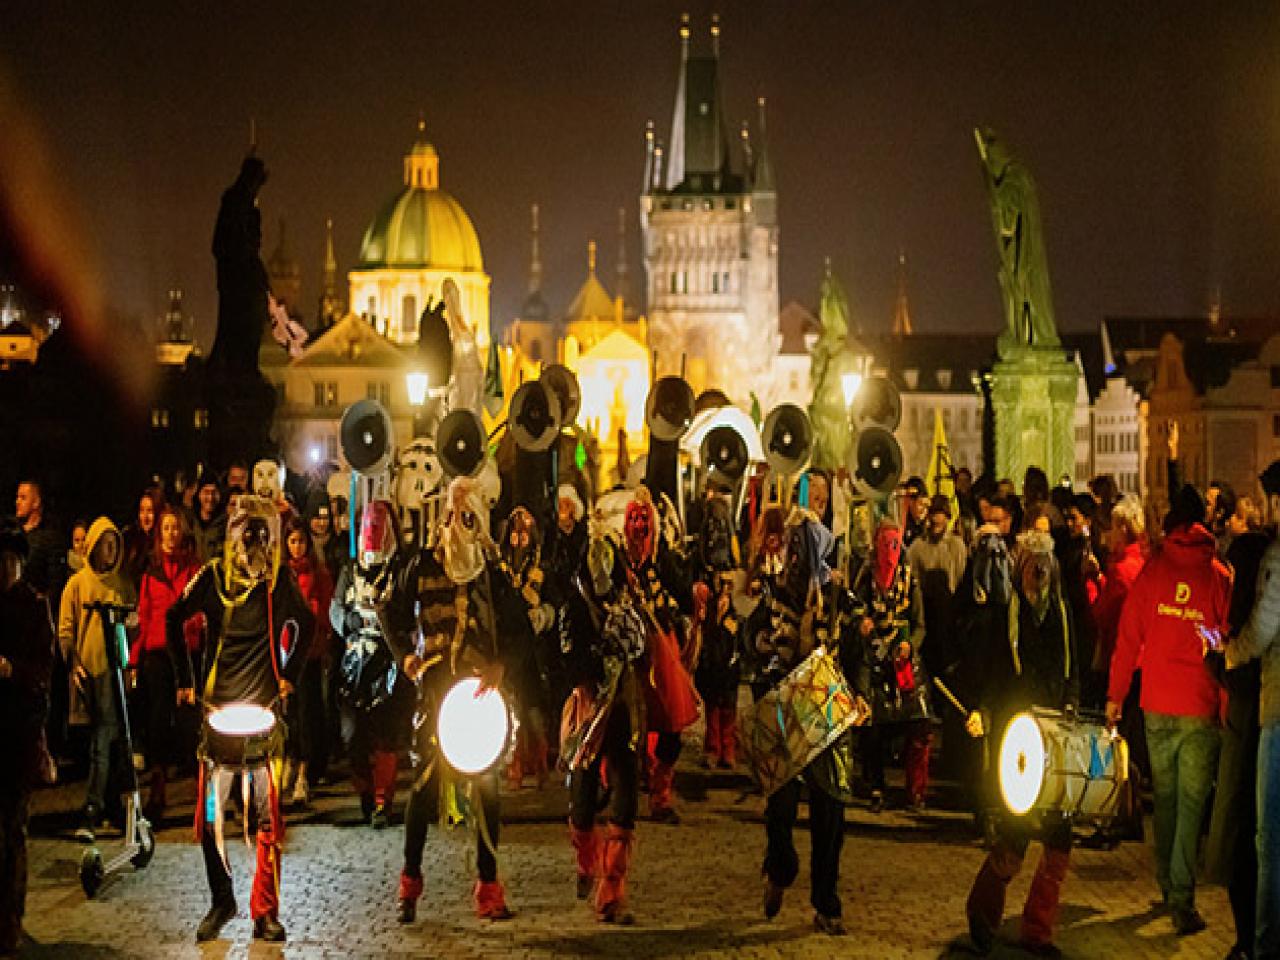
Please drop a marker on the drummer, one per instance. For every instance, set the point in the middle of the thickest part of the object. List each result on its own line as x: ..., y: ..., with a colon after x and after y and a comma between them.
x: 247, y: 598
x: 1024, y: 654
x: 794, y: 618
x: 445, y: 621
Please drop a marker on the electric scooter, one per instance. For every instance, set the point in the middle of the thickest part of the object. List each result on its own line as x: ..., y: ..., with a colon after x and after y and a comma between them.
x: 139, y: 840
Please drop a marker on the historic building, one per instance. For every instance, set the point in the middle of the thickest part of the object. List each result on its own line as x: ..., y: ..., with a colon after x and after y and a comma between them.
x: 708, y: 214
x: 179, y: 418
x: 421, y: 237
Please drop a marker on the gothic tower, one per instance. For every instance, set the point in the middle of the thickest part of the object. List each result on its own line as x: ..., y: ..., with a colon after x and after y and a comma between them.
x: 708, y: 213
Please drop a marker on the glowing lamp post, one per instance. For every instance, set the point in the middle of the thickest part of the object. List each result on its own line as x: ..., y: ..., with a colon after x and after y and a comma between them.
x: 417, y: 383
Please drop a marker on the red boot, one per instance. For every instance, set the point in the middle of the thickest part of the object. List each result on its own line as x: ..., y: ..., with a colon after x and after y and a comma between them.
x: 985, y: 906
x: 1041, y: 909
x: 611, y: 893
x: 410, y: 892
x: 264, y: 901
x: 711, y: 749
x: 384, y: 787
x: 586, y: 845
x: 661, y: 778
x: 728, y: 736
x: 916, y: 766
x: 491, y: 900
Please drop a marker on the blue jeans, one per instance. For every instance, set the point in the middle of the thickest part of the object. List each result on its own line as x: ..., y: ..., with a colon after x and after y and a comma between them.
x: 1184, y: 762
x: 1268, y: 932
x: 104, y: 730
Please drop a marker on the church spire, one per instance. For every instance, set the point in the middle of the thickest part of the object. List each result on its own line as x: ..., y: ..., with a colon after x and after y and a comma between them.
x: 622, y: 288
x: 330, y: 297
x: 535, y: 254
x: 901, y: 312
x: 762, y: 172
x: 675, y: 157
x: 422, y: 163
x: 648, y: 156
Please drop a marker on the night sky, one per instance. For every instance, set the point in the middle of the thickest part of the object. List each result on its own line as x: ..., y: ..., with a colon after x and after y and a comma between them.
x: 1152, y: 129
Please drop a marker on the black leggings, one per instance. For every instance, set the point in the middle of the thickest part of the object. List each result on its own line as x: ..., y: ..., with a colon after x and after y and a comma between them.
x: 826, y: 832
x: 308, y: 734
x: 159, y: 695
x: 423, y: 809
x: 622, y: 770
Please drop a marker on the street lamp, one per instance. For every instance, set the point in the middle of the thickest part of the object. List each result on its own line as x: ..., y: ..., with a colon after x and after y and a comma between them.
x: 417, y: 383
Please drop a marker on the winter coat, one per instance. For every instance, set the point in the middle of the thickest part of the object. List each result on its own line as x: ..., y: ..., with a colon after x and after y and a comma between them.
x: 208, y: 536
x: 27, y: 643
x: 80, y: 634
x: 939, y: 567
x: 316, y: 587
x: 1182, y: 587
x: 1122, y: 570
x: 161, y: 587
x: 1261, y: 635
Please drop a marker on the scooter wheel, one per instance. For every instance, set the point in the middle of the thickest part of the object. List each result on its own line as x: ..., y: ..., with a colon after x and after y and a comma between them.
x: 91, y: 871
x: 146, y: 845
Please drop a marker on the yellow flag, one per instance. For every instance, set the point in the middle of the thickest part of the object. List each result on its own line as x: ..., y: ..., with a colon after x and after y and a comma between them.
x: 939, y: 479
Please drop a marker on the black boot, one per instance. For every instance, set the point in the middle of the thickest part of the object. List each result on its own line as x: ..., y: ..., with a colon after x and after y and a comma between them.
x: 218, y: 916
x: 268, y: 928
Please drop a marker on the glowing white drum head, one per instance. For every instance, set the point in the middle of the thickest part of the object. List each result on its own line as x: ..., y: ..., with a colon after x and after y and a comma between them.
x: 242, y: 720
x: 474, y: 731
x: 1022, y: 770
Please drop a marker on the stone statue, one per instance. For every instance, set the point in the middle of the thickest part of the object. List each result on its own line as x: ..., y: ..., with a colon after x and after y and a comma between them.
x: 242, y: 276
x: 467, y: 380
x: 1024, y: 268
x: 827, y: 409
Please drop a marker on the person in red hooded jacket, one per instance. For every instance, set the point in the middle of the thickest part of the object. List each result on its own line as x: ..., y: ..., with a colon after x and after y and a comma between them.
x: 171, y: 566
x: 307, y: 743
x: 1183, y: 592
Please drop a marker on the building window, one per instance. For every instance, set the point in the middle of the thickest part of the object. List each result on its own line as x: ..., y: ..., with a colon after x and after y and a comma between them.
x: 730, y: 203
x: 331, y: 447
x: 409, y: 311
x: 535, y: 351
x: 201, y: 419
x: 380, y: 391
x: 684, y: 282
x: 326, y: 394
x: 687, y: 205
x: 707, y: 205
x: 724, y: 282
x: 715, y: 283
x: 674, y: 287
x: 372, y: 311
x: 944, y: 379
x: 159, y: 418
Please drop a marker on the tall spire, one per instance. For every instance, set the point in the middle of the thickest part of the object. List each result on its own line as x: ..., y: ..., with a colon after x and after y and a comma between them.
x: 675, y: 158
x: 535, y: 254
x: 648, y: 156
x: 659, y: 165
x: 901, y: 312
x: 748, y: 152
x: 622, y: 287
x: 422, y: 163
x: 762, y: 174
x: 330, y: 295
x: 591, y: 258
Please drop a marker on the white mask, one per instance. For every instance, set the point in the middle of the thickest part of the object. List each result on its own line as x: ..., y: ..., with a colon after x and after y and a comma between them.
x: 268, y: 479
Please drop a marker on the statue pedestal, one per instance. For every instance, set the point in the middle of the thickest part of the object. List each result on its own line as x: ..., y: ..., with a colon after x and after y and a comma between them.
x: 1033, y: 397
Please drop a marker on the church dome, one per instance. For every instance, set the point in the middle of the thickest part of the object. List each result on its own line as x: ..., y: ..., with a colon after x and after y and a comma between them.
x: 422, y: 227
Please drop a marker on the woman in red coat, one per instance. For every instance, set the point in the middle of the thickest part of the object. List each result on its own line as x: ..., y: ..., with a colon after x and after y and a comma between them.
x: 307, y: 741
x: 162, y: 583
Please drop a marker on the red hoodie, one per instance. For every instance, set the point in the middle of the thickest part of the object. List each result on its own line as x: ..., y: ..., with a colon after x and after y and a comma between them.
x: 159, y: 588
x: 316, y: 587
x: 1122, y: 571
x: 1183, y: 585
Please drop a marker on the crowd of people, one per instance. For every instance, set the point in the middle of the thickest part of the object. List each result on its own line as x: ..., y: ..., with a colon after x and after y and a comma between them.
x: 613, y: 624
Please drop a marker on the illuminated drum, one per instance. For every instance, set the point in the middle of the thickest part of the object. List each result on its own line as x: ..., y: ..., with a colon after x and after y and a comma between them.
x: 241, y: 733
x: 1052, y: 763
x: 475, y: 730
x: 798, y: 719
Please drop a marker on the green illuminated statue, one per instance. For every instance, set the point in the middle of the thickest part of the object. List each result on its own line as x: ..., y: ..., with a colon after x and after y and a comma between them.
x: 1024, y: 268
x: 827, y: 409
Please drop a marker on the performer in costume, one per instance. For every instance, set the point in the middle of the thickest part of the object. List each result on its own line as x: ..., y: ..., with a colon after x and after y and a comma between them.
x: 1024, y: 656
x: 248, y: 600
x: 444, y: 623
x: 801, y: 609
x: 654, y: 575
x: 372, y: 696
x: 892, y: 630
x: 521, y: 565
x: 718, y: 671
x: 603, y: 635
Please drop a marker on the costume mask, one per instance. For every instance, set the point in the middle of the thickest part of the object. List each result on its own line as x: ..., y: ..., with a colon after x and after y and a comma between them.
x: 797, y: 571
x: 888, y: 553
x: 464, y: 532
x: 268, y: 479
x: 601, y: 558
x: 419, y: 474
x: 252, y: 551
x: 717, y: 545
x: 638, y: 529
x: 773, y: 542
x: 519, y: 538
x: 377, y: 544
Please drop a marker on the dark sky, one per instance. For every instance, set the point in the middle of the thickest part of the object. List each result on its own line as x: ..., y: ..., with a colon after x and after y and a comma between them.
x: 1152, y: 129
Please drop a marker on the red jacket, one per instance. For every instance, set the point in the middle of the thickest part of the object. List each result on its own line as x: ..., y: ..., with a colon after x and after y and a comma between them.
x: 317, y: 589
x: 1182, y: 586
x: 1122, y: 571
x: 159, y: 588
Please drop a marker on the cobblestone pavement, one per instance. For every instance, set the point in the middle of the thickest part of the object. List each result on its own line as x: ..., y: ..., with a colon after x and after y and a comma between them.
x: 696, y: 890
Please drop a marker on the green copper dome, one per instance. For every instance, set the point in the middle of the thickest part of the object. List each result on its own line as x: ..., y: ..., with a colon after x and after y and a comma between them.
x: 422, y: 227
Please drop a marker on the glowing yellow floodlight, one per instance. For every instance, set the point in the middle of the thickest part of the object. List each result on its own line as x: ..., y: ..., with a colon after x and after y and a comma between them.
x: 1021, y: 768
x: 473, y: 728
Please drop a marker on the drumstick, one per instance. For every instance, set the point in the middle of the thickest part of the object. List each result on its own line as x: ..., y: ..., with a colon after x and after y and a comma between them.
x: 937, y: 682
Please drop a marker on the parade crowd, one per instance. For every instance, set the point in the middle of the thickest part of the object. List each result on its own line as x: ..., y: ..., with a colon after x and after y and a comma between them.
x: 611, y: 624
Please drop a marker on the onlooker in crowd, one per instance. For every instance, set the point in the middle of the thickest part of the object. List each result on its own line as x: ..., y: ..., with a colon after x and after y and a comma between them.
x: 172, y: 567
x: 26, y: 657
x: 308, y: 745
x: 76, y: 552
x: 1182, y: 588
x: 341, y: 518
x: 83, y: 640
x: 965, y: 499
x: 1035, y: 494
x: 44, y: 567
x: 237, y: 478
x: 208, y: 522
x: 1105, y: 494
x: 915, y: 507
x: 1082, y: 584
x: 140, y: 537
x: 1219, y: 506
x: 327, y: 546
x: 1231, y: 856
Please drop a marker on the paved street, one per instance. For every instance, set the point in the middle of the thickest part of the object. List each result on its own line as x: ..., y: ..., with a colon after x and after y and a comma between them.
x: 696, y: 891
